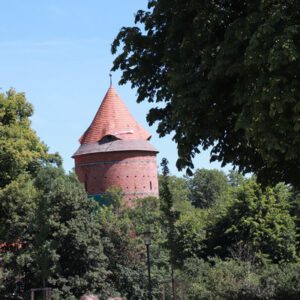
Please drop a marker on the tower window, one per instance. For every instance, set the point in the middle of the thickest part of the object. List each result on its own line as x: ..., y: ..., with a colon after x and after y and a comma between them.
x: 85, y: 186
x: 150, y: 185
x: 107, y: 139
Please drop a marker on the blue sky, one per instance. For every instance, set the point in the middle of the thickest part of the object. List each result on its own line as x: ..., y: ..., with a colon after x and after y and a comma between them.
x: 58, y: 53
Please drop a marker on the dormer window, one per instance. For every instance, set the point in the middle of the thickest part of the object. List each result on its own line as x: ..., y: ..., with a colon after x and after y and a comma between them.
x: 108, y: 139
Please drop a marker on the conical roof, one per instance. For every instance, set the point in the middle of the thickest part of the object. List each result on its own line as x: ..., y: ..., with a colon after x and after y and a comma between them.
x: 113, y: 119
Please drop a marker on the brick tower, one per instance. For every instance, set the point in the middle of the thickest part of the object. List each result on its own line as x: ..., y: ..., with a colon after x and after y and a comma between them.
x: 115, y: 151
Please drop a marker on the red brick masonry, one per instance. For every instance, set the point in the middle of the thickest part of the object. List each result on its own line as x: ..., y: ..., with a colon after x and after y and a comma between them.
x: 135, y: 172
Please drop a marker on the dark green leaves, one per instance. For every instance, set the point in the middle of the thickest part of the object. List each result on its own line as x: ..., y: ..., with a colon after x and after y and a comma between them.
x: 227, y: 73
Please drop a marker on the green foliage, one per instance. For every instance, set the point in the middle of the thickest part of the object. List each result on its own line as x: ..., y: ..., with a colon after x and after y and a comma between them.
x: 73, y: 237
x: 60, y: 236
x: 170, y: 214
x: 18, y: 203
x: 126, y: 252
x: 183, y: 224
x: 294, y: 210
x: 207, y: 187
x: 239, y: 242
x: 235, y: 179
x: 20, y: 148
x: 114, y: 196
x: 234, y: 279
x: 148, y: 215
x: 123, y: 252
x: 225, y: 75
x: 190, y: 235
x: 258, y: 218
x: 180, y: 191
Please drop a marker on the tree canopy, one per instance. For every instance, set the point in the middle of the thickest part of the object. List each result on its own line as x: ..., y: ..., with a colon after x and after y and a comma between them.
x: 20, y: 148
x: 256, y: 219
x: 207, y: 187
x: 59, y: 232
x: 225, y: 77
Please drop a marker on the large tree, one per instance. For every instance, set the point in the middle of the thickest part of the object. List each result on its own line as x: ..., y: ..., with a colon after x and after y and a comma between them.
x: 207, y: 187
x: 20, y: 148
x: 257, y: 220
x: 57, y: 236
x: 225, y: 74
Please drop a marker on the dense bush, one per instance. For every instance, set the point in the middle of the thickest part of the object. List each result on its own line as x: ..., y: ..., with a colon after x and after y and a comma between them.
x: 240, y: 280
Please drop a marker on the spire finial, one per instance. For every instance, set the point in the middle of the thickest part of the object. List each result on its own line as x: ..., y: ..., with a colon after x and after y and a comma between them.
x: 110, y: 79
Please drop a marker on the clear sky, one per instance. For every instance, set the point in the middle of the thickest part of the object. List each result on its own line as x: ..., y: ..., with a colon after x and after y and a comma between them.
x: 58, y: 53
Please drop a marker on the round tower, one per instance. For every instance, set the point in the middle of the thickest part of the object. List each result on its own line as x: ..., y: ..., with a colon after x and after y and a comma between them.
x: 115, y: 151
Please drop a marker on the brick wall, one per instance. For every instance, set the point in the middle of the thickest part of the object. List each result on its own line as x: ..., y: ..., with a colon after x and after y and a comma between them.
x: 135, y: 172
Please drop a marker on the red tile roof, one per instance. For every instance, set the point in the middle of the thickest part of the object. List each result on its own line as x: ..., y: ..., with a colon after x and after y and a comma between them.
x: 113, y: 118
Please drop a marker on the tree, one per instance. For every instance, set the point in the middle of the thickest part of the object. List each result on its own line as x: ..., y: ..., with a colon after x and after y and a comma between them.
x: 170, y: 214
x: 122, y: 248
x: 179, y: 190
x: 20, y: 148
x: 190, y: 235
x: 17, y: 209
x: 18, y: 202
x: 72, y: 241
x: 258, y: 219
x: 123, y: 245
x: 240, y: 280
x: 227, y: 73
x: 207, y: 187
x: 59, y: 232
x: 235, y: 179
x: 294, y: 209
